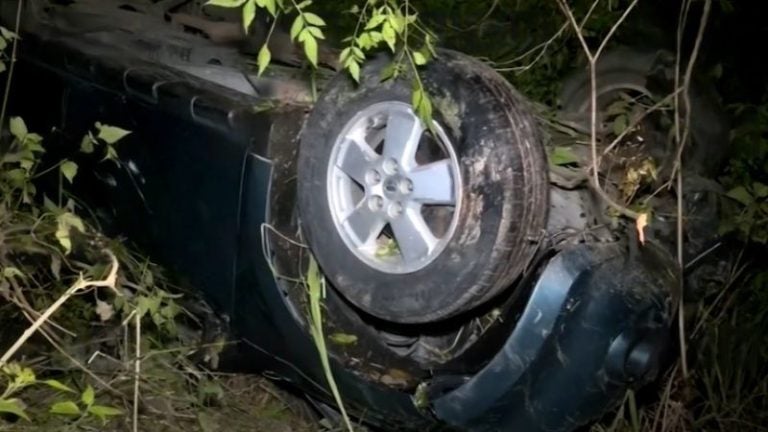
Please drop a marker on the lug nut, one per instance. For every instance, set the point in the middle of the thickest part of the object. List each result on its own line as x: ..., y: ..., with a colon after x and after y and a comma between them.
x: 406, y: 186
x: 372, y: 177
x: 390, y: 166
x: 375, y: 203
x: 395, y: 209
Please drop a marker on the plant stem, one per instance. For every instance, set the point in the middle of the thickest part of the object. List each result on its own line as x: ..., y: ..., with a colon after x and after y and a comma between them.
x: 12, y: 66
x: 137, y: 373
x: 80, y: 285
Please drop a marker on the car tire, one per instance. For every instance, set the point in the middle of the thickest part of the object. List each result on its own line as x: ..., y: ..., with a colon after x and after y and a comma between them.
x: 651, y: 72
x: 492, y: 155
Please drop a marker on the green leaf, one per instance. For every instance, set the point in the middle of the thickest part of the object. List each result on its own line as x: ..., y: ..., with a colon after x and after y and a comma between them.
x: 562, y: 155
x: 10, y: 272
x: 397, y: 22
x: 225, y: 3
x: 343, y: 338
x: 12, y: 369
x: 148, y: 304
x: 111, y: 134
x: 13, y: 406
x: 68, y: 170
x: 375, y: 21
x: 316, y: 32
x: 264, y: 58
x: 296, y: 27
x: 304, y: 4
x: 346, y: 52
x: 269, y: 5
x: 2, y: 67
x: 364, y: 40
x: 65, y: 222
x: 313, y: 19
x: 68, y: 408
x: 27, y: 164
x: 3, y: 44
x: 58, y: 386
x: 354, y: 70
x: 87, y: 143
x: 18, y: 176
x: 422, y: 105
x: 249, y: 13
x: 7, y: 34
x: 88, y: 396
x: 103, y: 412
x: 760, y: 189
x: 389, y: 35
x: 33, y: 142
x: 620, y: 124
x: 18, y: 128
x: 425, y: 110
x: 316, y: 286
x: 740, y: 194
x: 25, y: 377
x: 310, y: 48
x: 419, y: 58
x: 111, y: 154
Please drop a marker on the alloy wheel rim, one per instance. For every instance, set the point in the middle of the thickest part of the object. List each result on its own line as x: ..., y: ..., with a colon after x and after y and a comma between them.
x: 394, y: 188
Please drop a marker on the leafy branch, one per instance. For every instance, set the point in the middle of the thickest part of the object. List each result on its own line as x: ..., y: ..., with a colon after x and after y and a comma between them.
x: 388, y: 24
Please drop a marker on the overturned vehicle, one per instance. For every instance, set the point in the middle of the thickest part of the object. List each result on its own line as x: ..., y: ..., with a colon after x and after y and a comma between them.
x: 479, y: 277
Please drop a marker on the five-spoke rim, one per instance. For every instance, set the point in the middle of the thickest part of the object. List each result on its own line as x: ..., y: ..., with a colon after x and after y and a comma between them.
x: 393, y: 188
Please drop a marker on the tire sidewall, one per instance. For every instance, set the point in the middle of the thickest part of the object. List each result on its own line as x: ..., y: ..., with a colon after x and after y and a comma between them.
x: 491, y: 171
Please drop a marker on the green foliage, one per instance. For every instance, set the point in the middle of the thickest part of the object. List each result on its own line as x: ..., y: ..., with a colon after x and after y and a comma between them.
x: 389, y: 23
x: 306, y: 28
x: 562, y: 155
x: 17, y: 378
x: 745, y: 207
x: 13, y: 406
x: 66, y: 408
x: 66, y: 222
x: 316, y: 290
x: 46, y: 247
x: 6, y: 37
x: 343, y: 338
x: 84, y: 407
x: 160, y: 306
x: 746, y: 212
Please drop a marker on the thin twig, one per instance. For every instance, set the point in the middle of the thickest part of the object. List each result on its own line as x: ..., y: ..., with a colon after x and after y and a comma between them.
x: 592, y: 58
x: 678, y: 159
x: 137, y: 373
x: 476, y: 24
x: 665, y: 398
x: 80, y: 366
x: 542, y: 47
x: 21, y: 302
x: 80, y: 285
